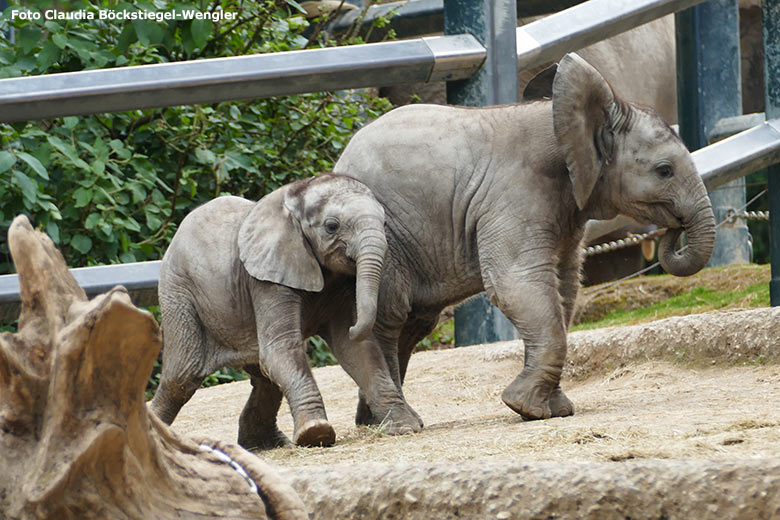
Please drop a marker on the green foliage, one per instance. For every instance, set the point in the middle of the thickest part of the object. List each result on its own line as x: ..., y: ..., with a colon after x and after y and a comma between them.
x: 443, y: 336
x: 224, y: 375
x: 319, y: 352
x: 112, y: 188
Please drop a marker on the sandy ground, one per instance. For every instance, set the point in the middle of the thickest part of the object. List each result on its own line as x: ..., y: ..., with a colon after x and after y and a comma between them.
x: 652, y: 409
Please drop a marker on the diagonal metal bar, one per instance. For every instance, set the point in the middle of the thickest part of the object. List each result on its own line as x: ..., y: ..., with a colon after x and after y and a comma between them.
x: 549, y: 38
x: 739, y: 155
x: 242, y: 77
x: 293, y: 72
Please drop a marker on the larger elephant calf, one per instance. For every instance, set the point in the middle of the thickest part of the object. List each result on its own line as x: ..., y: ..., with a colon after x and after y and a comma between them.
x: 497, y: 199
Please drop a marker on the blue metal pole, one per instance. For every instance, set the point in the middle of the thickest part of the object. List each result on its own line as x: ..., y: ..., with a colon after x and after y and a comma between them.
x: 708, y: 90
x: 771, y: 16
x: 493, y: 23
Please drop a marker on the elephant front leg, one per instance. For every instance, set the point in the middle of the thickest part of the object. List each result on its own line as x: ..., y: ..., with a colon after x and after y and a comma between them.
x: 287, y: 366
x: 534, y: 306
x: 282, y: 356
x: 381, y: 401
x: 414, y: 331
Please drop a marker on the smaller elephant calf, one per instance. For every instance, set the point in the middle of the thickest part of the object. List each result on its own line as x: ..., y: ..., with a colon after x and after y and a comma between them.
x: 243, y: 284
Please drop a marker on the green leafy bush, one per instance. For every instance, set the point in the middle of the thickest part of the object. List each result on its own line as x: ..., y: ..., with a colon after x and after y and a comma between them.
x: 111, y: 188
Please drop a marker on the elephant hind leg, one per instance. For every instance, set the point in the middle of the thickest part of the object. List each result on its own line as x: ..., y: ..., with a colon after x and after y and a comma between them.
x: 184, y: 366
x: 380, y: 393
x: 257, y: 429
x: 172, y: 395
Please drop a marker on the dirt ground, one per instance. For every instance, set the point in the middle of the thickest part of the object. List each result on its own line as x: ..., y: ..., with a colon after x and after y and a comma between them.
x: 652, y: 409
x: 674, y: 418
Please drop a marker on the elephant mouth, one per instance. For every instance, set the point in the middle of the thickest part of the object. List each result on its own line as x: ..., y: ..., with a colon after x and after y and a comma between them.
x: 338, y: 259
x: 652, y: 213
x: 677, y: 223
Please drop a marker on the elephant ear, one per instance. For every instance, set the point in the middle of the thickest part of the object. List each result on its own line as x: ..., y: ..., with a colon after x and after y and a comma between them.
x: 541, y: 85
x: 273, y: 248
x: 583, y: 106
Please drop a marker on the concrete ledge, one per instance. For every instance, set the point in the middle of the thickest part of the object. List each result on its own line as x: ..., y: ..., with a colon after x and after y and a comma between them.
x: 741, y: 336
x: 700, y: 489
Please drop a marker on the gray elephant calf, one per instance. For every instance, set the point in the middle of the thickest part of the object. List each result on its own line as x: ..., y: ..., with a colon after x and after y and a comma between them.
x: 497, y: 199
x: 245, y: 282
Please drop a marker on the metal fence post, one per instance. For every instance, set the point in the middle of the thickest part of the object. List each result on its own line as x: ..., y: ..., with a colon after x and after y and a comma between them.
x: 708, y: 89
x: 771, y: 16
x: 493, y: 23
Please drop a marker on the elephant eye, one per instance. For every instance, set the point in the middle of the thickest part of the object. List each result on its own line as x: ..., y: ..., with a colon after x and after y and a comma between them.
x: 331, y: 225
x: 664, y: 171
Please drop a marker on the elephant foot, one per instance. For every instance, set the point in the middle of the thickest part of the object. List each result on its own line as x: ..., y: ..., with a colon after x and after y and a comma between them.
x: 315, y: 432
x: 419, y: 419
x: 560, y: 405
x: 396, y: 421
x: 364, y: 416
x: 259, y: 440
x: 534, y: 398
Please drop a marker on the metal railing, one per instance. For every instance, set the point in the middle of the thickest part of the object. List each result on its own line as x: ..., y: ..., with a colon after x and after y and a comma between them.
x: 449, y: 58
x: 438, y: 58
x: 213, y: 80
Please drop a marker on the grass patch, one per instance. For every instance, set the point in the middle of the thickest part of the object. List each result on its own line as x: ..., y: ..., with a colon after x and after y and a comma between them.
x: 699, y: 299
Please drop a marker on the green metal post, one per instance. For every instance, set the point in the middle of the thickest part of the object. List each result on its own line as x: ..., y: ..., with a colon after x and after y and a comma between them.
x: 493, y: 23
x: 708, y: 89
x: 771, y: 15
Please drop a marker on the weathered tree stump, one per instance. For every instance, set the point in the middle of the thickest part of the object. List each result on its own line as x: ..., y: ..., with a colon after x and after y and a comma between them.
x: 76, y: 439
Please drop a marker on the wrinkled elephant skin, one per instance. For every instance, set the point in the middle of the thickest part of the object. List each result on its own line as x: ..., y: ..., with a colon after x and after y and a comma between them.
x: 243, y: 284
x: 497, y: 199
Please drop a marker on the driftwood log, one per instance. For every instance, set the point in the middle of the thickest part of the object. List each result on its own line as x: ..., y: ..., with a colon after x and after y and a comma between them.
x: 76, y: 439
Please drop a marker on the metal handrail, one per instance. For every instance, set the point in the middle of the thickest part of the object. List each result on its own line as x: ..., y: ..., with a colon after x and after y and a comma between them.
x: 585, y: 24
x: 435, y: 58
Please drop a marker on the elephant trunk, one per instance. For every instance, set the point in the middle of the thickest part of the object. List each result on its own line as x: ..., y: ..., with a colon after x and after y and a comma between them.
x: 700, y: 226
x: 370, y: 257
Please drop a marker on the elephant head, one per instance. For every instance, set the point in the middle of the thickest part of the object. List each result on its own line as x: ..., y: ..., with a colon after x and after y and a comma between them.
x: 328, y: 221
x: 623, y: 159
